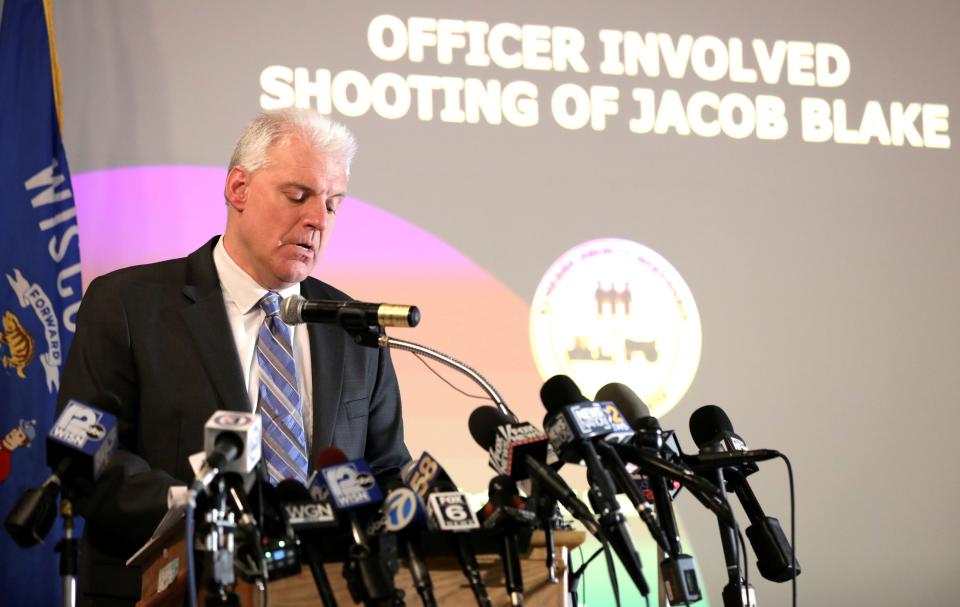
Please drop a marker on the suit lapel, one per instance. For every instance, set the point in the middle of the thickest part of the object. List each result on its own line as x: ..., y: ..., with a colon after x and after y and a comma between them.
x: 326, y: 361
x: 206, y: 319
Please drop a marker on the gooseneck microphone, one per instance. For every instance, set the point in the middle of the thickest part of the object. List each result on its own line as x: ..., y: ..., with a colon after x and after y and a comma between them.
x: 347, y: 314
x: 713, y: 433
x: 571, y: 423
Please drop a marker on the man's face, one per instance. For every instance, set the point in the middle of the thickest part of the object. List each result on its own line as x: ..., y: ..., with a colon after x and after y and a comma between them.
x: 282, y: 215
x: 14, y: 438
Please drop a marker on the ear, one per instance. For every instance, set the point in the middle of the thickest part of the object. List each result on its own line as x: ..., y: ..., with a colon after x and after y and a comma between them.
x: 236, y: 189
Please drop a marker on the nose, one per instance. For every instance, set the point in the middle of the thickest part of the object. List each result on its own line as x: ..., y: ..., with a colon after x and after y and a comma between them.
x: 315, y: 214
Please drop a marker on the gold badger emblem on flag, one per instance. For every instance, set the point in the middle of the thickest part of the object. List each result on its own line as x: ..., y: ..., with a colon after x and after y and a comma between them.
x: 19, y: 342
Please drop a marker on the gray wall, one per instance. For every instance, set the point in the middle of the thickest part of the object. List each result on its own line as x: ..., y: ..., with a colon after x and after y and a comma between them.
x: 824, y: 273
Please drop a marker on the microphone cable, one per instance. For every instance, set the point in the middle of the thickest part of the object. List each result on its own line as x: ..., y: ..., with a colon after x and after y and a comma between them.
x: 611, y: 572
x: 191, y: 571
x: 447, y: 381
x: 793, y: 529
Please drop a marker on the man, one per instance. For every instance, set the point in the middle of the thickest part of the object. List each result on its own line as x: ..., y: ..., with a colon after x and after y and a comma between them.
x: 166, y: 344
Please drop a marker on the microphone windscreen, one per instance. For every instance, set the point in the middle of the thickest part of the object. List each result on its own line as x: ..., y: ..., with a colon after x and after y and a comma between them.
x: 330, y: 456
x: 625, y: 399
x: 290, y: 309
x: 645, y: 423
x: 291, y: 490
x: 707, y: 422
x: 560, y: 391
x: 483, y: 424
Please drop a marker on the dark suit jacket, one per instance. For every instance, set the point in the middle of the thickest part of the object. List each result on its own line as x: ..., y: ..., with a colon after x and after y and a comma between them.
x: 153, y: 345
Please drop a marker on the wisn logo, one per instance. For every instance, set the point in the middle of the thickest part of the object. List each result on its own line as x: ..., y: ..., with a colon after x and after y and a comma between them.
x: 351, y: 485
x: 77, y: 425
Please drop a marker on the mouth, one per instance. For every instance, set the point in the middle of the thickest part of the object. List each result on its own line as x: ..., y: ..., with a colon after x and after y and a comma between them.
x: 303, y: 246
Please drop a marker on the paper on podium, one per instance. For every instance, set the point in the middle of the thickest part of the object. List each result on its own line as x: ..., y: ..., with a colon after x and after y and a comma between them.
x: 177, y: 497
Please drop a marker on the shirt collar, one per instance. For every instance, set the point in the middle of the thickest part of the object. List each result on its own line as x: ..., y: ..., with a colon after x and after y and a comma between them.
x: 240, y: 286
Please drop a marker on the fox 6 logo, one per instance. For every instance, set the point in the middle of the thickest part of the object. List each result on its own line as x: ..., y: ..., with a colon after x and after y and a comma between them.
x: 452, y: 512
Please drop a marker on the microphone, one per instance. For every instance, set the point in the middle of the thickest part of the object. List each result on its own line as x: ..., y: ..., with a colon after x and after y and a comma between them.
x: 653, y: 450
x: 520, y: 451
x: 313, y: 520
x: 507, y: 442
x: 79, y: 446
x: 505, y: 512
x: 678, y: 569
x: 231, y: 440
x: 81, y: 442
x: 571, y: 423
x: 713, y: 433
x: 351, y: 486
x: 451, y: 512
x: 407, y: 516
x: 347, y: 314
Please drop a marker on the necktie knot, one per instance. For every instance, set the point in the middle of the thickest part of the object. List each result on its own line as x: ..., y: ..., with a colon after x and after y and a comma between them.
x: 270, y: 303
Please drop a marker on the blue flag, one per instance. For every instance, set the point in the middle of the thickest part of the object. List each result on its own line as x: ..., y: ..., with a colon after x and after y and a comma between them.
x: 40, y: 284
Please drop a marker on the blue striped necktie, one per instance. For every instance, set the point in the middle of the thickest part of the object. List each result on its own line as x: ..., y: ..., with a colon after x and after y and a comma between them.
x: 284, y: 441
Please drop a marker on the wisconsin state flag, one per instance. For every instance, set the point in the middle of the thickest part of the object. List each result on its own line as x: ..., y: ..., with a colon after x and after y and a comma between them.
x: 40, y: 284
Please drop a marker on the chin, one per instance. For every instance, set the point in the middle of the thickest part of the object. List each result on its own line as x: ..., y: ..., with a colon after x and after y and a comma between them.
x: 293, y: 275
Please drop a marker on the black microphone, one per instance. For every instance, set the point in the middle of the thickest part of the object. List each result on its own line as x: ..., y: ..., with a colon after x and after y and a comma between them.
x: 79, y: 446
x: 347, y: 314
x: 678, y: 569
x: 519, y: 450
x: 450, y: 510
x: 653, y: 450
x: 571, y: 423
x: 505, y: 511
x: 713, y: 433
x: 522, y: 454
x: 351, y: 486
x: 313, y: 521
x: 406, y: 515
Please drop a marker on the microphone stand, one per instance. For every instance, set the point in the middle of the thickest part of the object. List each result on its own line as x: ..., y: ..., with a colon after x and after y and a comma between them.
x: 736, y: 593
x: 68, y: 547
x: 218, y: 543
x: 375, y: 337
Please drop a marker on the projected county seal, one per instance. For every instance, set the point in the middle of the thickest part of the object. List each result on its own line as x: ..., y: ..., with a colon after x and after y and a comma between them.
x: 614, y: 310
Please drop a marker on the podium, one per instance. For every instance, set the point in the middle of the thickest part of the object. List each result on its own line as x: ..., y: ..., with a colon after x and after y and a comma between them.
x: 164, y: 581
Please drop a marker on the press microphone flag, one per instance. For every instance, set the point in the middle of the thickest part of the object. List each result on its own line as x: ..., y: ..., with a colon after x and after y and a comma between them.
x: 79, y: 446
x: 231, y: 440
x: 351, y: 485
x: 81, y: 442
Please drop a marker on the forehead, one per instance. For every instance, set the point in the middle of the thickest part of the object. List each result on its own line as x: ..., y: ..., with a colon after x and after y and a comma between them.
x: 293, y: 158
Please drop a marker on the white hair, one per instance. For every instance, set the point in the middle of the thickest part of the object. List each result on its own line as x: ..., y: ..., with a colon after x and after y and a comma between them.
x: 329, y: 137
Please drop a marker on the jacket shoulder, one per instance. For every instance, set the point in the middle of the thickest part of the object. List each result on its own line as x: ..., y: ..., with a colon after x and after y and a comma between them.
x: 317, y: 289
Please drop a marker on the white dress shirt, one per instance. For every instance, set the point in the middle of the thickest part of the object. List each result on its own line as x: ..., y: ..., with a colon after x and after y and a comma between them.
x: 241, y: 294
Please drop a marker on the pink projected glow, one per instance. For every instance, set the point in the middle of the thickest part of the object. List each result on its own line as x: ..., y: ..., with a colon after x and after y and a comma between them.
x: 131, y: 216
